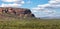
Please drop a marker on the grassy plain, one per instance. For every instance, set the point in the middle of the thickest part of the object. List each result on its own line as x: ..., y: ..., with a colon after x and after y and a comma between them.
x: 8, y: 21
x: 28, y: 23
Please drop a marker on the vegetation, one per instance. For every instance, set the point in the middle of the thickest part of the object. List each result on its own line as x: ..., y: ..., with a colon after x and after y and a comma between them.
x: 28, y: 23
x: 13, y: 22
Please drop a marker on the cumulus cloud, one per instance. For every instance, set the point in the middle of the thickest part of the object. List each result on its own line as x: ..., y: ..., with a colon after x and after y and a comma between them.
x: 49, y: 8
x: 10, y: 5
x: 16, y: 3
x: 11, y: 0
x: 20, y: 2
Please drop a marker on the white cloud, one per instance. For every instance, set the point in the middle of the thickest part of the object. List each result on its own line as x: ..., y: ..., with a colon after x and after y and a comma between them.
x: 20, y: 2
x: 54, y: 1
x: 16, y: 3
x: 10, y: 0
x: 49, y: 7
x: 10, y: 5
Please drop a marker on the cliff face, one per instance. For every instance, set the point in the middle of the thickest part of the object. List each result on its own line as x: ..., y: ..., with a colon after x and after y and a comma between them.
x: 21, y: 12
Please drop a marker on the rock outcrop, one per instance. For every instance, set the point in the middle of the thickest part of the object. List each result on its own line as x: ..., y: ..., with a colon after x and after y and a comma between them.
x: 21, y: 12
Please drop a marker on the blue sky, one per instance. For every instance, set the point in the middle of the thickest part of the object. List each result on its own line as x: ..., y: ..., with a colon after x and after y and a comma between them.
x: 33, y: 3
x: 41, y: 8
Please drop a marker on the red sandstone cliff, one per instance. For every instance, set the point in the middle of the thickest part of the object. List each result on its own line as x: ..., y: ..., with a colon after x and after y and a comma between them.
x: 21, y: 12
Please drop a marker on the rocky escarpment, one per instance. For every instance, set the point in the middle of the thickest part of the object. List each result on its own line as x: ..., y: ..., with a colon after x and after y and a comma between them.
x: 20, y: 12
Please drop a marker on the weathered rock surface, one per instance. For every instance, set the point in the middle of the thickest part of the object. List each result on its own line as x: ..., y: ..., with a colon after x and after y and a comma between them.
x: 21, y: 12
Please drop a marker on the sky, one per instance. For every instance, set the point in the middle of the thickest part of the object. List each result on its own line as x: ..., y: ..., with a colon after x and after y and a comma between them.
x: 41, y: 8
